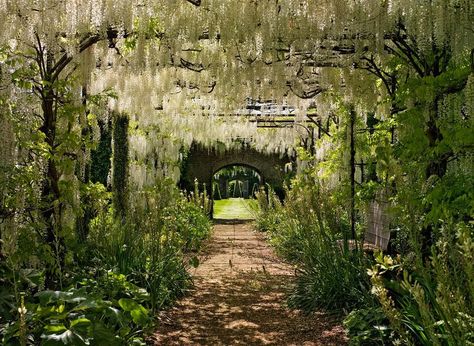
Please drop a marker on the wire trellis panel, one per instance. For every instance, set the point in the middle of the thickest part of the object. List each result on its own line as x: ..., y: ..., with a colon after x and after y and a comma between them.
x: 378, y: 222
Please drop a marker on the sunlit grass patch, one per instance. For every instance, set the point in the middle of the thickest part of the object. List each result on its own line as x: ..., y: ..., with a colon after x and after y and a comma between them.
x: 235, y: 208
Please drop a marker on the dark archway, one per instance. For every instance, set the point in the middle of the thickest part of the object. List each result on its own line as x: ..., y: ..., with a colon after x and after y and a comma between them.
x: 202, y: 163
x: 236, y: 181
x: 234, y: 193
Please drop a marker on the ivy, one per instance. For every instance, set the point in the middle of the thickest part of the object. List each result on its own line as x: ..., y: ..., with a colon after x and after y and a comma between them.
x: 120, y: 164
x: 102, y: 155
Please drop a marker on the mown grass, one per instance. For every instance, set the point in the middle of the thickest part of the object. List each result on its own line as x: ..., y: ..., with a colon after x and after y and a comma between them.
x: 235, y: 208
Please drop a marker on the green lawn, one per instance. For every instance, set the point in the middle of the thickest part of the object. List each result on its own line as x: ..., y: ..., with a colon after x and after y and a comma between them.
x: 235, y: 208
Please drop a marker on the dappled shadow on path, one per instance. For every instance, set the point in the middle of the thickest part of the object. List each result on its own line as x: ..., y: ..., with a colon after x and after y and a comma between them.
x: 239, y: 299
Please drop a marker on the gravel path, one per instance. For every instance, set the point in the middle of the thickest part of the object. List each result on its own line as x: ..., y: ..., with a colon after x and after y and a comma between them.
x: 239, y: 299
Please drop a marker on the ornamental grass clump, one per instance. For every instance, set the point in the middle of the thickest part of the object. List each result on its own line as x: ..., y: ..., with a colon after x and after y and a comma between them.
x: 152, y: 246
x: 269, y: 210
x: 330, y: 274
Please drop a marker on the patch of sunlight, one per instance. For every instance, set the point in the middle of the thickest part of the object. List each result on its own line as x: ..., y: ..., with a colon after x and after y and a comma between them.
x: 235, y: 208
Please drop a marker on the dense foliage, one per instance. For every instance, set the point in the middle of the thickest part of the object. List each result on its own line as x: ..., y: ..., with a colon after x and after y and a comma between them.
x: 421, y: 291
x: 309, y: 231
x: 100, y: 99
x: 110, y: 285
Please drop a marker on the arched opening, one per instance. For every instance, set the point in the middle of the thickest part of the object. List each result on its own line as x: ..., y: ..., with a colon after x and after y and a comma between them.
x: 234, y: 188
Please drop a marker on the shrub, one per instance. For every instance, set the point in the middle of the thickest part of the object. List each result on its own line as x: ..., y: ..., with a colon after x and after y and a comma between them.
x: 331, y: 278
x: 189, y: 222
x: 310, y: 233
x: 368, y: 326
x: 150, y: 246
x: 109, y: 310
x: 431, y: 303
x: 269, y: 210
x: 125, y: 271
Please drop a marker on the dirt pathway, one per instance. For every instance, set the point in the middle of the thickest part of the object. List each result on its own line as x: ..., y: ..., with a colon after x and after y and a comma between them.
x: 239, y: 299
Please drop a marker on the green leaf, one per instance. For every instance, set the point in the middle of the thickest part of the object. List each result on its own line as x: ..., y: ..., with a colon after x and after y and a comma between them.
x: 140, y: 316
x: 114, y: 312
x: 79, y: 322
x: 103, y: 335
x: 66, y: 338
x: 55, y: 328
x: 128, y: 304
x: 124, y: 331
x: 47, y: 297
x: 89, y: 303
x: 138, y: 312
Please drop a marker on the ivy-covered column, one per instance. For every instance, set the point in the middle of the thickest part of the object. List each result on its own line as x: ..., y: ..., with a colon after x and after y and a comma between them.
x: 120, y: 165
x: 101, y: 156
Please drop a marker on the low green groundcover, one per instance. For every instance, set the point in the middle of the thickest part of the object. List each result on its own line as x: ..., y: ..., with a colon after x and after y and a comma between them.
x: 235, y: 208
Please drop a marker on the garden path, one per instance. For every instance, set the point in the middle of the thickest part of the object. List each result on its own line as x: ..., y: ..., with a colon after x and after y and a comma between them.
x: 239, y: 298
